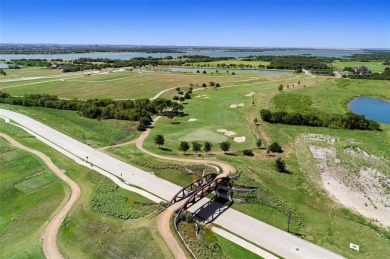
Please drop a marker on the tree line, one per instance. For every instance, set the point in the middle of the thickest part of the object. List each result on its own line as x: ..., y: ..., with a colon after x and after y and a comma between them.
x: 346, y: 121
x: 139, y: 110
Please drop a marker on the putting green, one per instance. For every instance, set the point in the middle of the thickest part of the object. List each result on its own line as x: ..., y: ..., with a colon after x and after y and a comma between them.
x: 203, y: 135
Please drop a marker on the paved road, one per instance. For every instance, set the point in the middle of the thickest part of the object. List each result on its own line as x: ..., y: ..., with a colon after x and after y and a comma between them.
x: 271, y: 238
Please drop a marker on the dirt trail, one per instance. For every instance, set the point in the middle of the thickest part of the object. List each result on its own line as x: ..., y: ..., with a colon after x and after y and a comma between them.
x: 164, y: 228
x: 49, y: 236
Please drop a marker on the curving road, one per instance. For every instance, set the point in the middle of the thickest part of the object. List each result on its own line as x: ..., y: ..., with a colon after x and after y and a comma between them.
x: 269, y: 237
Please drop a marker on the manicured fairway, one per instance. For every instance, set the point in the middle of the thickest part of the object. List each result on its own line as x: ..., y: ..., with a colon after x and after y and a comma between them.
x: 119, y: 85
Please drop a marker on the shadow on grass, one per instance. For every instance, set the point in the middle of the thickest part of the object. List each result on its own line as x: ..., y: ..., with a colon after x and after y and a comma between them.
x: 165, y: 149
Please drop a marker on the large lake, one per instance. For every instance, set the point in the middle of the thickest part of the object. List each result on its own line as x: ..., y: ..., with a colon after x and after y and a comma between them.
x: 373, y: 108
x: 211, y: 53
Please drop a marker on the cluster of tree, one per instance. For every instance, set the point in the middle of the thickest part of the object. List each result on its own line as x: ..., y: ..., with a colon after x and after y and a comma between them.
x: 299, y: 62
x: 133, y: 110
x: 2, y: 72
x: 346, y: 121
x: 385, y: 75
x: 372, y: 55
x: 196, y: 147
x: 69, y: 49
x: 30, y: 62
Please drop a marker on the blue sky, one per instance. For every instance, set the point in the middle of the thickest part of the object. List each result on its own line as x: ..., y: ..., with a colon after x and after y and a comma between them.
x: 288, y: 23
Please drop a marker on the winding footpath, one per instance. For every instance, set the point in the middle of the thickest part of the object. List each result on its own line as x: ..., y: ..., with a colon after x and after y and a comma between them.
x: 49, y: 235
x: 242, y: 225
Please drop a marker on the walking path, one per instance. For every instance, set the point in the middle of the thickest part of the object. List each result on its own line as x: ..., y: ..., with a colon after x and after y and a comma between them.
x: 49, y: 235
x: 253, y: 230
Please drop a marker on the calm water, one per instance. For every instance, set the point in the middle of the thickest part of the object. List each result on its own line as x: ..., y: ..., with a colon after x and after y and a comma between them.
x: 222, y: 71
x: 3, y: 65
x: 373, y: 108
x: 211, y: 53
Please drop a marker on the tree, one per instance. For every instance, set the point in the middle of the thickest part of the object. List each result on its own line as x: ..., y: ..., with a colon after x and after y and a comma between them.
x: 233, y: 73
x: 207, y: 147
x: 204, y: 85
x: 184, y: 146
x: 275, y: 147
x: 178, y: 89
x: 204, y: 72
x: 217, y: 85
x: 225, y: 146
x: 247, y: 152
x: 159, y: 140
x: 3, y: 72
x: 196, y: 147
x: 280, y: 165
x: 211, y: 83
x: 171, y: 115
x: 258, y: 143
x: 197, y: 71
x: 187, y: 96
x: 280, y: 88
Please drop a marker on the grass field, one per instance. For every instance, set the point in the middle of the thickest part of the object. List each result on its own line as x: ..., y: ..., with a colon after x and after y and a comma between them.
x: 119, y: 85
x: 29, y: 193
x: 373, y: 66
x: 237, y: 62
x: 85, y: 232
x: 30, y: 72
x: 316, y: 217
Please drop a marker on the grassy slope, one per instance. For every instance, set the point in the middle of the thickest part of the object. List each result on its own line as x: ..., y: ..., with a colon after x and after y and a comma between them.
x: 24, y: 214
x: 30, y: 72
x: 89, y: 234
x: 97, y: 133
x: 373, y: 66
x: 321, y: 225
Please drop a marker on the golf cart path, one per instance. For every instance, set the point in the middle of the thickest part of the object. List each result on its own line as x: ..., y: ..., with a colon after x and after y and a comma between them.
x: 49, y: 235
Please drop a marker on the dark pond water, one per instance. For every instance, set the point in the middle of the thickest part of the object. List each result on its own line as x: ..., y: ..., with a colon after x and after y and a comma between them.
x: 373, y: 108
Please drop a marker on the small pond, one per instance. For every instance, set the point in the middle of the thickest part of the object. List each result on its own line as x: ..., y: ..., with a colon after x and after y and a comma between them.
x: 373, y: 108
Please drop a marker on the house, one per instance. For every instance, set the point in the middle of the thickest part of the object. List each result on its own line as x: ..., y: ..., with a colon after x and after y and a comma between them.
x: 362, y: 70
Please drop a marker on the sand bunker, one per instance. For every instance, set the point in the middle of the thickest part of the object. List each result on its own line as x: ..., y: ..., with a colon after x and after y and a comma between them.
x: 236, y: 105
x: 192, y: 119
x: 239, y: 139
x: 226, y: 132
x: 250, y: 94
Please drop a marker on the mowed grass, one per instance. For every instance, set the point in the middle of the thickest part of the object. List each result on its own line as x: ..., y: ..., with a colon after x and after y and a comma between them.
x: 30, y: 72
x: 119, y: 85
x: 214, y: 113
x: 373, y: 66
x: 237, y: 62
x: 324, y: 222
x: 29, y: 193
x: 85, y: 232
x: 97, y: 133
